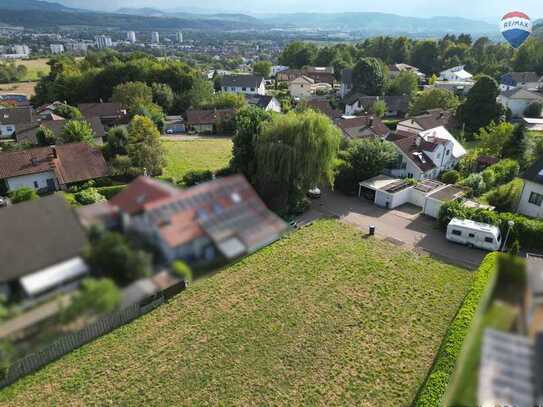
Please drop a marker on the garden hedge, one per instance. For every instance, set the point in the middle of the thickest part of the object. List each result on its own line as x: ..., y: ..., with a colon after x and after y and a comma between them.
x: 109, y: 192
x: 434, y: 389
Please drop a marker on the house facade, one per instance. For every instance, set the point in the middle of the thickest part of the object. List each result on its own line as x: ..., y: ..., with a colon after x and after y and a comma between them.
x: 245, y: 84
x: 12, y: 119
x: 223, y: 218
x: 51, y: 168
x: 455, y: 74
x: 531, y: 199
x: 208, y: 121
x: 302, y: 87
x: 268, y: 103
x: 518, y: 99
x: 427, y: 154
x: 320, y: 74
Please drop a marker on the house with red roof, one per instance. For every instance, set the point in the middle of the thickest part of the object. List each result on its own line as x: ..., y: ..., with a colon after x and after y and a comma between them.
x: 51, y: 168
x: 223, y: 218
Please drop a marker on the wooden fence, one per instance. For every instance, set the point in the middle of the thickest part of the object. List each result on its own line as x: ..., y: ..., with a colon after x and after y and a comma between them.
x: 68, y: 343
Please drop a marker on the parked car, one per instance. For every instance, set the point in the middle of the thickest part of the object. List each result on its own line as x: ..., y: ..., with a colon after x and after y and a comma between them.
x: 169, y: 131
x: 474, y: 234
x: 314, y: 193
x: 3, y: 202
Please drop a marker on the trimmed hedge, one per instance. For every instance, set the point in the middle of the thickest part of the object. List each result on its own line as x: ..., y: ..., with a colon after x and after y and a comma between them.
x: 433, y: 391
x: 528, y: 231
x: 109, y: 192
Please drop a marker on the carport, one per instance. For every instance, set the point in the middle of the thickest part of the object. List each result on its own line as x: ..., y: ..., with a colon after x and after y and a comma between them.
x: 434, y: 201
x: 369, y: 187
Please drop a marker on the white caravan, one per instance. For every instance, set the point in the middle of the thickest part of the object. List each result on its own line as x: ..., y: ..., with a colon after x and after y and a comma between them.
x: 474, y: 234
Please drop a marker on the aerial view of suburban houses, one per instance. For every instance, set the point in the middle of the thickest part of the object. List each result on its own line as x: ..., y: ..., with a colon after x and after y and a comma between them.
x: 287, y: 205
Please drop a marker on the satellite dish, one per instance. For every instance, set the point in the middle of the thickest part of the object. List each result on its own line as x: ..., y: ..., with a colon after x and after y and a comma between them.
x: 516, y: 27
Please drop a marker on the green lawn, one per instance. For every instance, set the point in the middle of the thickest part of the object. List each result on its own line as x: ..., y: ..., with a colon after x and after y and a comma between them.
x: 34, y: 67
x: 322, y: 317
x: 201, y: 154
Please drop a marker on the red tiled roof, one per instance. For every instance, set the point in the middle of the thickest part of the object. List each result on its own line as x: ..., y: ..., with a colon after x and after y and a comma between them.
x: 73, y: 162
x: 142, y: 191
x: 324, y: 107
x: 377, y: 126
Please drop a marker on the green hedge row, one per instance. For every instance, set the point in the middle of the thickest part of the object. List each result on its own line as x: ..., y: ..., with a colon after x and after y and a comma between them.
x: 434, y: 389
x: 109, y: 192
x: 528, y: 231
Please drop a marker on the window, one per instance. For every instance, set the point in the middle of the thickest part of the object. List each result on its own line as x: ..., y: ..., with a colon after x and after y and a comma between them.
x: 244, y: 89
x: 489, y: 240
x: 471, y: 235
x: 36, y: 185
x: 403, y: 165
x: 535, y: 199
x: 457, y: 232
x: 448, y: 152
x: 252, y: 89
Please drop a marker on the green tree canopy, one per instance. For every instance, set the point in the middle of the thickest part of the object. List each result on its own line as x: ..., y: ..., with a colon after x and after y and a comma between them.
x: 361, y: 160
x: 116, y: 142
x: 223, y: 100
x: 298, y: 54
x: 262, y: 68
x: 294, y: 153
x: 76, y: 131
x: 534, y: 110
x: 96, y: 296
x: 494, y: 138
x: 369, y: 77
x: 425, y: 56
x: 163, y: 96
x: 144, y: 148
x: 433, y: 99
x: 406, y: 83
x: 132, y: 94
x: 68, y: 112
x: 481, y: 106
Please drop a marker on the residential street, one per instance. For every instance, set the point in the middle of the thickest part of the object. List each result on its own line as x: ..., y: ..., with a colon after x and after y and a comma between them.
x: 403, y: 226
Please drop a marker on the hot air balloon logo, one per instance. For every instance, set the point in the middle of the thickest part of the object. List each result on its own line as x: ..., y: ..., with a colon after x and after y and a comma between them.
x: 516, y: 27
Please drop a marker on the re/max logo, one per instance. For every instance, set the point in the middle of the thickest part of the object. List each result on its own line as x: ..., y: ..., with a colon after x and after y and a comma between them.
x: 516, y: 24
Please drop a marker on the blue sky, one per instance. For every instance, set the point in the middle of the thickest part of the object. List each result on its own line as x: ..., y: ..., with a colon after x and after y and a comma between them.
x: 488, y: 10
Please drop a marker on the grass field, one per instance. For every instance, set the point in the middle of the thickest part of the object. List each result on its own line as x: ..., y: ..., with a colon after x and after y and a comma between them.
x: 201, y: 154
x: 34, y: 67
x: 322, y: 317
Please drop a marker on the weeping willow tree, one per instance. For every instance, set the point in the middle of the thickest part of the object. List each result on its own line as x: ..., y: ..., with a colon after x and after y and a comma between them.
x: 295, y: 152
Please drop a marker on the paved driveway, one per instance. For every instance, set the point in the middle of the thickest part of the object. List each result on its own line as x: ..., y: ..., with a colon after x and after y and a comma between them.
x: 403, y: 226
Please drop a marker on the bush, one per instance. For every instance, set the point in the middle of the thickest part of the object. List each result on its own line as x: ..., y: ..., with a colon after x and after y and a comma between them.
x: 533, y: 110
x: 505, y: 197
x: 224, y: 172
x: 433, y: 390
x: 89, y: 196
x: 94, y: 297
x: 23, y: 194
x: 109, y: 192
x: 196, y: 177
x: 476, y: 182
x: 182, y: 270
x: 450, y: 177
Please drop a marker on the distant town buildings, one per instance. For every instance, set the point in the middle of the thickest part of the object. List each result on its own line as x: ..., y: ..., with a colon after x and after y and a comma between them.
x: 155, y: 37
x: 131, y: 37
x: 179, y: 37
x: 56, y: 48
x: 77, y: 47
x: 103, y: 41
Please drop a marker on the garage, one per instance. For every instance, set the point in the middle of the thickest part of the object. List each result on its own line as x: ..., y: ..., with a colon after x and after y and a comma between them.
x: 368, y: 188
x: 435, y: 200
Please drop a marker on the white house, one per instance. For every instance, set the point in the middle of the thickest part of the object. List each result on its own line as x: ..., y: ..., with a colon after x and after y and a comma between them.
x: 531, y: 199
x: 13, y: 118
x: 266, y: 102
x: 278, y: 68
x: 518, y: 99
x: 426, y: 154
x: 246, y: 84
x: 51, y: 168
x: 455, y: 74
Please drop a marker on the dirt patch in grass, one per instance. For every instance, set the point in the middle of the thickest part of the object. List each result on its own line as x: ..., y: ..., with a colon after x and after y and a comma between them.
x: 322, y: 317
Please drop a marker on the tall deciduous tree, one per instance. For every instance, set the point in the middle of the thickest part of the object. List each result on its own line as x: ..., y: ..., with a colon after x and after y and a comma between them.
x: 132, y: 94
x: 294, y: 153
x: 262, y: 68
x: 425, y: 56
x: 369, y: 77
x: 481, y: 107
x: 406, y: 83
x: 248, y: 122
x: 144, y: 148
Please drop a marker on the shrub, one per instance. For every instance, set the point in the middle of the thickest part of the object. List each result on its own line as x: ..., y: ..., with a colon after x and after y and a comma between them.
x: 224, y: 172
x: 433, y: 390
x: 450, y: 177
x: 505, y: 197
x: 109, y: 192
x: 6, y: 354
x: 196, y: 177
x: 94, y: 297
x: 533, y: 110
x: 89, y: 196
x: 476, y: 182
x: 23, y: 194
x: 182, y: 270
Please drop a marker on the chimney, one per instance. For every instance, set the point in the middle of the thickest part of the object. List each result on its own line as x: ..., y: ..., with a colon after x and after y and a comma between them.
x: 54, y: 151
x: 371, y: 121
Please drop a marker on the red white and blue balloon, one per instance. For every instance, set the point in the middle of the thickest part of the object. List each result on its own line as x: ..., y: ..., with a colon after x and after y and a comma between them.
x: 516, y: 28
